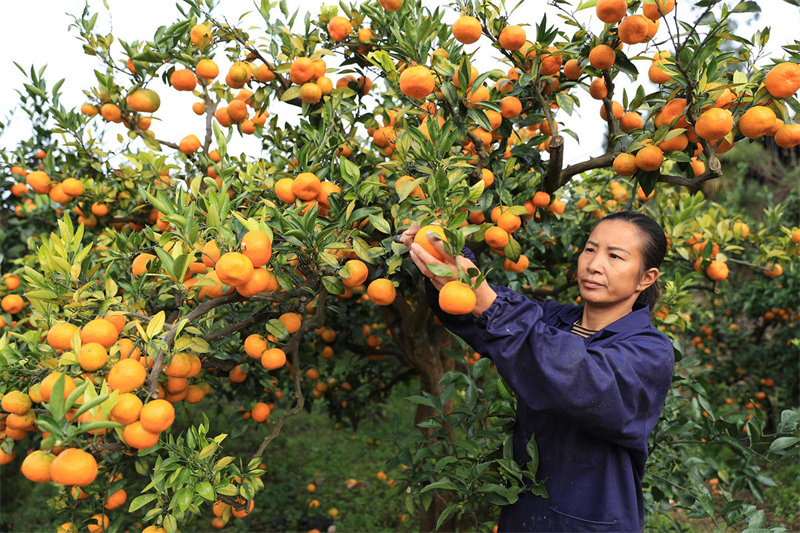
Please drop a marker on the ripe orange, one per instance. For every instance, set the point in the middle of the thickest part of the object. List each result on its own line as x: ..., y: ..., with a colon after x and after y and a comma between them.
x: 421, y: 238
x: 127, y: 408
x: 306, y: 186
x: 211, y: 254
x: 714, y: 124
x: 741, y: 230
x: 512, y: 37
x: 417, y: 82
x: 675, y: 144
x: 72, y: 187
x: 467, y: 30
x: 92, y: 356
x: 139, y: 265
x: 255, y: 345
x: 783, y: 80
x: 625, y: 165
x: 126, y: 375
x: 16, y: 402
x: 487, y: 177
x: 326, y: 189
x: 757, y: 122
x: 74, y: 467
x: 572, y: 69
x: 47, y: 384
x: 273, y: 359
x: 339, y: 28
x: 206, y: 69
x: 260, y: 412
x: 136, y: 436
x: 631, y: 121
x: 180, y: 366
x: 356, y: 274
x: 310, y: 93
x: 602, y: 57
x: 302, y: 70
x: 189, y: 144
x: 788, y: 136
x: 215, y: 290
x: 796, y: 236
x: 381, y: 291
x: 12, y: 303
x: 292, y: 321
x: 457, y: 298
x: 496, y: 237
x: 391, y: 5
x: 611, y: 11
x: 99, y: 209
x: 649, y: 158
x: 248, y: 508
x: 36, y: 467
x: 38, y: 181
x: 698, y: 167
x: 518, y: 267
x: 774, y: 272
x: 116, y: 500
x: 111, y: 113
x: 143, y: 101
x: 633, y: 29
x: 551, y: 63
x: 200, y: 35
x: 101, y: 331
x: 597, y: 90
x: 157, y: 415
x: 616, y: 110
x: 283, y: 190
x: 655, y: 11
x: 509, y: 222
x: 262, y: 281
x: 234, y: 269
x: 183, y: 80
x: 325, y: 85
x: 717, y: 270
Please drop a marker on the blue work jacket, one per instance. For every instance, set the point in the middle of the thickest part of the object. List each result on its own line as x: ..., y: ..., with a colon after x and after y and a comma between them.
x: 590, y: 404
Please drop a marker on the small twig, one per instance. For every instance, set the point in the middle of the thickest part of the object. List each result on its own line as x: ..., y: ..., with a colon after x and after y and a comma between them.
x: 608, y: 105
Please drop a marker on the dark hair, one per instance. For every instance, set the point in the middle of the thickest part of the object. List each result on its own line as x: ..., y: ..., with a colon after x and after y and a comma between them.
x: 654, y: 248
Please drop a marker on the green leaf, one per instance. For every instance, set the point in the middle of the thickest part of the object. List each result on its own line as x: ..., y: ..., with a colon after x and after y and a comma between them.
x: 782, y: 443
x: 156, y: 324
x: 291, y: 93
x: 88, y: 405
x: 205, y: 490
x: 141, y: 501
x: 453, y: 507
x: 439, y: 485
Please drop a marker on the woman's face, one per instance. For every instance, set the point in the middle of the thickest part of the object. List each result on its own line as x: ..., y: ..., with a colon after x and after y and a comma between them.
x: 611, y: 267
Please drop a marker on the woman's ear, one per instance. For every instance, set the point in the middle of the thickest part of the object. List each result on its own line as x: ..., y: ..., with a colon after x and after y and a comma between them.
x: 648, y: 278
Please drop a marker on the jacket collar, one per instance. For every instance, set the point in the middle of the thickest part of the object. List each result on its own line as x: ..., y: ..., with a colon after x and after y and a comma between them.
x: 638, y: 319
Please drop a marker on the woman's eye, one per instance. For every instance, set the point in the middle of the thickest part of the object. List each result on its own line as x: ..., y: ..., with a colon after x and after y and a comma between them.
x: 615, y: 256
x: 587, y: 249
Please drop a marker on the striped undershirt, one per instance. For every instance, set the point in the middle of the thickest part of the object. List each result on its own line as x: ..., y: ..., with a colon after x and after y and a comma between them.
x: 582, y: 331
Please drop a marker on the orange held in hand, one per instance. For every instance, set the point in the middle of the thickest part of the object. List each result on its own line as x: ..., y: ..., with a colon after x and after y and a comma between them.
x: 457, y: 298
x: 421, y: 238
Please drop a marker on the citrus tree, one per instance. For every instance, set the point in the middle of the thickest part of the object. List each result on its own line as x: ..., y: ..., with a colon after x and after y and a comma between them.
x: 143, y: 273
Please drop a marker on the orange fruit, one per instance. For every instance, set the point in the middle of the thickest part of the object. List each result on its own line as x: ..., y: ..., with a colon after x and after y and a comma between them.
x: 16, y: 402
x: 675, y: 144
x: 327, y: 188
x: 572, y: 69
x: 741, y: 230
x: 357, y: 273
x: 139, y: 265
x: 339, y: 28
x: 518, y: 267
x: 260, y: 412
x: 551, y: 63
x: 717, y: 270
x: 421, y: 238
x: 215, y: 290
x: 616, y: 110
x: 116, y: 500
x: 496, y: 237
x: 136, y: 436
x: 111, y: 113
x: 248, y: 508
x: 381, y: 291
x: 783, y: 80
x: 127, y: 408
x: 283, y: 190
x: 144, y: 101
x: 509, y: 222
x: 467, y: 30
x: 47, y: 384
x: 74, y: 467
x: 12, y: 303
x: 180, y: 366
x: 417, y: 192
x: 306, y: 186
x: 273, y: 359
x: 597, y: 90
x: 631, y: 121
x: 292, y: 321
x: 36, y: 467
x: 457, y: 298
x: 788, y: 136
x: 310, y: 93
x: 255, y: 345
x: 72, y: 187
x: 655, y: 9
x: 92, y: 356
x: 541, y: 199
x: 157, y: 415
x: 261, y: 281
x: 101, y: 331
x: 325, y: 85
x: 611, y: 11
x: 302, y: 70
x: 200, y: 35
x: 714, y: 124
x: 602, y: 57
x: 649, y: 158
x: 189, y: 144
x: 98, y: 524
x: 126, y: 375
x: 183, y: 80
x: 99, y: 209
x: 417, y: 82
x: 38, y: 181
x: 774, y: 272
x: 757, y: 122
x: 633, y: 29
x: 19, y: 189
x: 487, y: 177
x: 625, y: 165
x: 234, y: 269
x: 58, y: 195
x: 12, y: 282
x: 211, y: 254
x: 512, y: 37
x: 206, y: 69
x: 391, y: 5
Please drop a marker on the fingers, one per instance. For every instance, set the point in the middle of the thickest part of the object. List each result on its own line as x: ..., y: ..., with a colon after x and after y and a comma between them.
x: 422, y: 258
x: 438, y: 245
x: 407, y: 237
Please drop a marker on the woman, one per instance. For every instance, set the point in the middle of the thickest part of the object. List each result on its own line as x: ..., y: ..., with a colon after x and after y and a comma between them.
x: 591, y: 380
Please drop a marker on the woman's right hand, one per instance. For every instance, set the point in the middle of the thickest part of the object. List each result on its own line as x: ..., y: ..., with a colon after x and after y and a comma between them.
x: 422, y: 258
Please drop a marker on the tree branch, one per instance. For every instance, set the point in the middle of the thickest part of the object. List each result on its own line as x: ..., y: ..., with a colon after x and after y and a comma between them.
x: 605, y: 160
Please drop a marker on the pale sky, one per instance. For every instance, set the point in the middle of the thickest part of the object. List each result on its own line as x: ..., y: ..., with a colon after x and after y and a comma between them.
x: 36, y: 33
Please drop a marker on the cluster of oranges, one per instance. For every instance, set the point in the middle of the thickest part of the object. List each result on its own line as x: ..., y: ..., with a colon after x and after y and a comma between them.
x: 61, y: 192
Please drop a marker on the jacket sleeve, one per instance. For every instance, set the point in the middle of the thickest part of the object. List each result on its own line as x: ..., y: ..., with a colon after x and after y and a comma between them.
x: 610, y: 391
